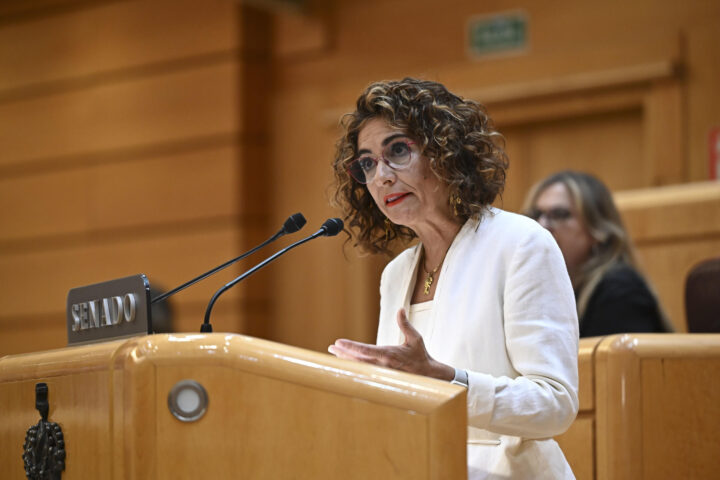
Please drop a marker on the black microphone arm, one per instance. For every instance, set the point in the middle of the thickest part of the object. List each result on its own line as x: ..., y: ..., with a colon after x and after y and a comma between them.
x: 330, y: 228
x: 294, y: 223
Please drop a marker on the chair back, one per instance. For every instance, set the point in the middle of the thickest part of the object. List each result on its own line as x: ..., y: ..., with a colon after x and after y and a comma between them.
x: 702, y: 297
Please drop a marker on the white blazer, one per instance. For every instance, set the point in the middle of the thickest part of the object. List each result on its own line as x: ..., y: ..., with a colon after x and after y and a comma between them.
x: 503, y: 310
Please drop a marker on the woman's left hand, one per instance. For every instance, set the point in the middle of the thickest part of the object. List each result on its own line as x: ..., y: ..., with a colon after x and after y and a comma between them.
x: 411, y: 356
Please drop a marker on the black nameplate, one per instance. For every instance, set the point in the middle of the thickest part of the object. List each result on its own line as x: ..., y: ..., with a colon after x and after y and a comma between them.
x: 102, y: 311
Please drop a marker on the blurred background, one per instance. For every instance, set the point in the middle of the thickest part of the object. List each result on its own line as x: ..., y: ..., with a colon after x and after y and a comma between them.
x: 166, y: 137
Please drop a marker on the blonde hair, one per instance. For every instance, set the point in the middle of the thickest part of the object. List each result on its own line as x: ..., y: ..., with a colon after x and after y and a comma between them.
x: 597, y: 211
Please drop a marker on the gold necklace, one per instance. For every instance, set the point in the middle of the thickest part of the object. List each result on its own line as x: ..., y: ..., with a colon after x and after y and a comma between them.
x: 429, y: 278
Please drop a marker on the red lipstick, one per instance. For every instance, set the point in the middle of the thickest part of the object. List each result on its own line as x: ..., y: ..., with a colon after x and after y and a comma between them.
x: 394, y: 198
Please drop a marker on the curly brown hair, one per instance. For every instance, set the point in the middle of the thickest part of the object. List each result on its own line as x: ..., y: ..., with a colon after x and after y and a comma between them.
x: 457, y: 137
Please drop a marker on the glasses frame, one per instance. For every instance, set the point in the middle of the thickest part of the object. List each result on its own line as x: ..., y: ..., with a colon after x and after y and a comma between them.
x: 553, y: 216
x: 375, y: 159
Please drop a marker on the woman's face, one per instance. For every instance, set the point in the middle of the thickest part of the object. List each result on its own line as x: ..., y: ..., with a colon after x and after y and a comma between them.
x: 411, y: 196
x: 556, y: 211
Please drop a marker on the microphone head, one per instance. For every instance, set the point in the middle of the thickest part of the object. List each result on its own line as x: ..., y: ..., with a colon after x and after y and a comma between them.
x: 294, y: 223
x: 332, y: 227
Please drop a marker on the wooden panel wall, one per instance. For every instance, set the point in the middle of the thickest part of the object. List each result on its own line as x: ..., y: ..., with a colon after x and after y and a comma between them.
x: 166, y: 137
x: 125, y: 150
x: 624, y: 90
x: 674, y: 228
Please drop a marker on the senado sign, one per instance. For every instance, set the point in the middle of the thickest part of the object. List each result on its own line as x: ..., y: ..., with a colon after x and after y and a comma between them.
x: 117, y: 308
x: 104, y: 313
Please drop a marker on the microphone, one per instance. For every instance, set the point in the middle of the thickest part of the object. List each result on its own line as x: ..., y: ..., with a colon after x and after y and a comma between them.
x: 330, y: 228
x: 294, y: 223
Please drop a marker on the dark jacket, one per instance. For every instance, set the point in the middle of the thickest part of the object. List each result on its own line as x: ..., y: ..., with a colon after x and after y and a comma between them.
x: 621, y: 303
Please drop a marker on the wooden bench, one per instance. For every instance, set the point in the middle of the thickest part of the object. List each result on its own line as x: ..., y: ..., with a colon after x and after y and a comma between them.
x: 649, y: 408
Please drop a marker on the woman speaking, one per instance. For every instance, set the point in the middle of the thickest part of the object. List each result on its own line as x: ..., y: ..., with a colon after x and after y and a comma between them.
x: 483, y: 299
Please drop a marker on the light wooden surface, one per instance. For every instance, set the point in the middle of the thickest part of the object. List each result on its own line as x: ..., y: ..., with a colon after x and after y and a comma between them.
x: 120, y: 255
x: 124, y: 150
x: 674, y: 228
x: 648, y: 409
x: 578, y: 443
x: 654, y: 410
x: 218, y: 119
x: 274, y: 411
x: 47, y: 49
x: 661, y: 406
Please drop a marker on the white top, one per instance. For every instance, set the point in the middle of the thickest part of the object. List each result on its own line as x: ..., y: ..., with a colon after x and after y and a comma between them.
x: 420, y: 316
x: 503, y: 310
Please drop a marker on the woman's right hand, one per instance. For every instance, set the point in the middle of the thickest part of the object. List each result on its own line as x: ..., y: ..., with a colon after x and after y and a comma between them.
x: 411, y: 356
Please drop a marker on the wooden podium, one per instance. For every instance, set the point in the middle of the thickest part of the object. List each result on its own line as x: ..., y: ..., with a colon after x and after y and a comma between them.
x: 273, y: 412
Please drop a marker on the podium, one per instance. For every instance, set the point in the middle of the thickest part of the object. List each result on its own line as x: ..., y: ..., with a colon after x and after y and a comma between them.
x: 272, y: 411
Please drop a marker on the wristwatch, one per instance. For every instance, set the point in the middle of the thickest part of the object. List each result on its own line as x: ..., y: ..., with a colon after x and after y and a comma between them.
x: 461, y: 378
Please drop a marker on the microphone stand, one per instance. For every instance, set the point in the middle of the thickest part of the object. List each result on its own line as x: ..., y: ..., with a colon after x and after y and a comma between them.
x: 292, y: 224
x: 331, y: 227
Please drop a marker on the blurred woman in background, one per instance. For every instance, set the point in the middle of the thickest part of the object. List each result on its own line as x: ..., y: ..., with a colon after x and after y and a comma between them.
x: 612, y: 296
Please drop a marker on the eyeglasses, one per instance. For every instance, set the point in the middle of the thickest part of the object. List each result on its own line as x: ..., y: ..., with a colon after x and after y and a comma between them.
x: 552, y: 216
x: 396, y: 155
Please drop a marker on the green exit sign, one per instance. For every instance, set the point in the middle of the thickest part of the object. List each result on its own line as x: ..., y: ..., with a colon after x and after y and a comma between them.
x: 499, y: 33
